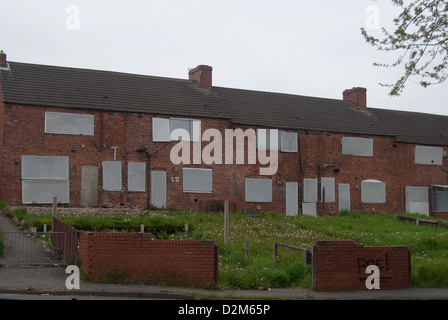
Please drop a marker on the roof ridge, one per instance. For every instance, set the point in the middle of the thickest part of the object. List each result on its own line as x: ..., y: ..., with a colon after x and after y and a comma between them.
x: 99, y: 70
x: 408, y: 112
x: 105, y: 90
x: 282, y: 93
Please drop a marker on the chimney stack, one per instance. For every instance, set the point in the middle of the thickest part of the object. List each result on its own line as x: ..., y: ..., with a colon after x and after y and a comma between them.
x: 357, y: 96
x: 3, y: 62
x: 202, y: 75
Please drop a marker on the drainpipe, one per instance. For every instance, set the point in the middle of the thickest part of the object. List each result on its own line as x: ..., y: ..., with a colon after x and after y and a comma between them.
x: 148, y: 180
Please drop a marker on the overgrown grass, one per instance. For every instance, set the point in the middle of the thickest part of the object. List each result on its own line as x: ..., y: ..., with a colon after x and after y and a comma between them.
x: 159, y: 226
x: 428, y: 245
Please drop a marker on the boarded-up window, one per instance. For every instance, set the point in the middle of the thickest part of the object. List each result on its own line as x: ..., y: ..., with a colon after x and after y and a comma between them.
x: 288, y: 141
x: 44, y: 167
x: 185, y: 129
x: 161, y: 130
x: 45, y: 177
x: 176, y: 129
x: 373, y: 191
x: 268, y: 139
x: 180, y: 129
x: 43, y: 191
x: 439, y: 198
x: 69, y: 123
x: 258, y: 190
x: 195, y: 130
x: 328, y: 184
x: 136, y: 176
x: 112, y: 177
x: 357, y: 146
x: 197, y: 180
x: 428, y: 155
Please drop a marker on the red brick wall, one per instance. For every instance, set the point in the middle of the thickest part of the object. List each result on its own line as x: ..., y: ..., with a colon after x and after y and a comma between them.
x: 2, y: 128
x: 24, y: 135
x: 341, y: 265
x: 393, y: 165
x: 136, y: 258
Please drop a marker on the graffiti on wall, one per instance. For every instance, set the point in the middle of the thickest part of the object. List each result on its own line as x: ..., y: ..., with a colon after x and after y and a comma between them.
x: 373, y: 271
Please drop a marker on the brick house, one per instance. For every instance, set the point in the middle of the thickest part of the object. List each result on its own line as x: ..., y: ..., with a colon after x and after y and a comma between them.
x: 97, y: 138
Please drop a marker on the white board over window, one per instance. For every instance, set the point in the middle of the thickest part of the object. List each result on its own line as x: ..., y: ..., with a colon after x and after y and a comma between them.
x: 428, y: 155
x: 136, y: 176
x: 112, y: 176
x: 69, y: 123
x: 180, y: 129
x: 185, y: 129
x: 268, y: 139
x: 258, y: 190
x: 160, y: 130
x: 44, y: 167
x: 45, y: 177
x: 43, y: 191
x: 197, y: 180
x: 373, y: 191
x: 288, y: 141
x: 357, y: 146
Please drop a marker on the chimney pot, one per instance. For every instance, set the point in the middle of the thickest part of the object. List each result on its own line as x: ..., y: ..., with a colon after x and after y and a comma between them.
x: 357, y: 96
x: 3, y: 62
x: 202, y: 75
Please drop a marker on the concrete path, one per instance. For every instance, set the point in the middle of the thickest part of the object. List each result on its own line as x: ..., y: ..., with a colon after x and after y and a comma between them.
x: 22, y: 248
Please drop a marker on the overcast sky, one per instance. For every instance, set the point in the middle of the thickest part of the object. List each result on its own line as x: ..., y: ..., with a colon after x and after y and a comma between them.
x: 312, y: 48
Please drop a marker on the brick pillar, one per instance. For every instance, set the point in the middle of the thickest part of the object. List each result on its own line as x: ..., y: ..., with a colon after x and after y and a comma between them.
x: 3, y: 62
x: 357, y: 96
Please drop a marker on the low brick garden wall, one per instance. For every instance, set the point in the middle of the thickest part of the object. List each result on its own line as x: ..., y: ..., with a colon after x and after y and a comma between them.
x: 119, y: 257
x: 136, y: 258
x: 341, y: 265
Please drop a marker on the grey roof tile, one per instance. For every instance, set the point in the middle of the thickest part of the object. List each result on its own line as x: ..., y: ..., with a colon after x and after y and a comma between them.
x: 42, y: 85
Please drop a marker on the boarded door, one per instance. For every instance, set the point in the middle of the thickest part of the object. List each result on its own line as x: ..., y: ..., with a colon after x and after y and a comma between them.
x: 158, y: 188
x: 417, y: 200
x: 89, y: 186
x: 309, y: 197
x: 344, y: 196
x: 292, y: 198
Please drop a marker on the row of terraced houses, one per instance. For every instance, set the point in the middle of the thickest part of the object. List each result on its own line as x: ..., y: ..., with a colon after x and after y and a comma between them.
x: 105, y: 139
